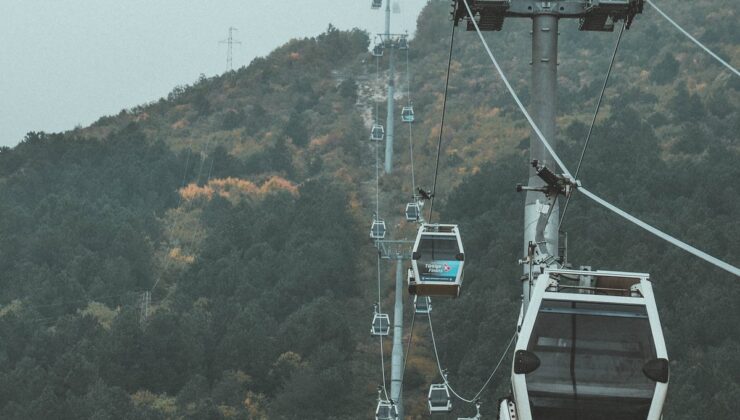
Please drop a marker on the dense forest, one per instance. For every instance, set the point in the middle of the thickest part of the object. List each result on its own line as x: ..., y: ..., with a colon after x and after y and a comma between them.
x: 242, y: 204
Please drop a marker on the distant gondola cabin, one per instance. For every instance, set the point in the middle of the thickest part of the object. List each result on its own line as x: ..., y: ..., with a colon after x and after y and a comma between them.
x: 381, y: 324
x: 377, y: 229
x: 386, y: 411
x: 378, y: 50
x: 407, y: 114
x: 439, y: 400
x: 377, y: 132
x: 422, y: 304
x: 412, y: 212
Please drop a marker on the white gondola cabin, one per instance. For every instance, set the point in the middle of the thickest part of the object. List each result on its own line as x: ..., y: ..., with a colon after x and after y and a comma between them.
x: 437, y: 261
x: 386, y: 411
x: 377, y: 229
x: 403, y: 43
x: 377, y: 133
x: 590, y: 347
x: 413, y: 212
x: 407, y: 114
x: 378, y: 50
x: 381, y: 324
x: 422, y: 304
x: 439, y: 400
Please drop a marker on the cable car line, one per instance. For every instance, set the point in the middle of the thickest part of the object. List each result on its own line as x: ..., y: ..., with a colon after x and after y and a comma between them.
x: 177, y: 214
x: 408, y: 346
x: 593, y: 120
x: 377, y: 209
x: 696, y: 41
x: 382, y: 364
x: 686, y: 247
x: 444, y: 377
x: 441, y: 125
x: 375, y: 219
x: 411, y: 142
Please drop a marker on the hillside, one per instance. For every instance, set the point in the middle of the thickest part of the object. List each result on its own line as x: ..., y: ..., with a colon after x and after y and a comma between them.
x: 246, y: 199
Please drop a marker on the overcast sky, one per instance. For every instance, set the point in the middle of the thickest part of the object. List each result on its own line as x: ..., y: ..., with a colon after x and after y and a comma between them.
x: 68, y: 62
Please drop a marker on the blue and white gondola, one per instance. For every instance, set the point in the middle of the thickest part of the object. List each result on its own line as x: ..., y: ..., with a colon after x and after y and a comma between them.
x: 437, y: 261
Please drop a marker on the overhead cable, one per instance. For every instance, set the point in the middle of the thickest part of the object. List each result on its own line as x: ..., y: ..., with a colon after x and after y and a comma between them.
x: 593, y: 121
x: 696, y: 41
x: 408, y: 346
x: 441, y: 125
x: 177, y: 214
x: 683, y: 245
x: 411, y: 141
x: 686, y: 247
x: 444, y: 377
x: 377, y: 204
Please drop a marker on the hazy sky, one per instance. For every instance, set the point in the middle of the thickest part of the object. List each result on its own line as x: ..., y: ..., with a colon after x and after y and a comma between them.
x: 68, y: 62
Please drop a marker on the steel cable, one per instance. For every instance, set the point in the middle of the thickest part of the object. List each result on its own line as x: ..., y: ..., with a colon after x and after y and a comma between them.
x: 441, y: 125
x: 593, y: 120
x: 444, y: 377
x: 696, y: 41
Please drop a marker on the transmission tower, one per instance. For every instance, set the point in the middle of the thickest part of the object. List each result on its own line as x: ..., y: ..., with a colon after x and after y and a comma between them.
x: 230, y: 41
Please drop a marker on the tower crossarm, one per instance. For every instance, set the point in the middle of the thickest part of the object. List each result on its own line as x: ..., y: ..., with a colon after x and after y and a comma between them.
x: 594, y: 15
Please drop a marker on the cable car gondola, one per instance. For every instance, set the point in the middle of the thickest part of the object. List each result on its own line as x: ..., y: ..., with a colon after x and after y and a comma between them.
x: 439, y: 400
x: 386, y: 411
x: 590, y: 346
x: 422, y: 304
x: 407, y: 114
x: 376, y: 4
x: 437, y: 261
x: 403, y: 43
x: 377, y: 133
x: 413, y: 212
x: 377, y: 229
x: 381, y: 324
x: 378, y: 50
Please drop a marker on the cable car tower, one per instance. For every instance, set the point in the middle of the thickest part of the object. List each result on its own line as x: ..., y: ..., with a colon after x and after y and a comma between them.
x: 390, y: 42
x: 399, y: 251
x: 593, y: 15
x: 589, y: 343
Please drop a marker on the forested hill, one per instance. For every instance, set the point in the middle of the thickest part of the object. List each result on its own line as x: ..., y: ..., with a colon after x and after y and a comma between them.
x: 243, y: 201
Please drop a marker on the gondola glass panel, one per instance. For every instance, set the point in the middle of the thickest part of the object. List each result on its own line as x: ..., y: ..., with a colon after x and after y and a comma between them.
x: 591, y: 359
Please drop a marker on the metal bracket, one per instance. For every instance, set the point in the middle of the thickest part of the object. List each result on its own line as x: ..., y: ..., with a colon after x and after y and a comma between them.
x: 555, y: 184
